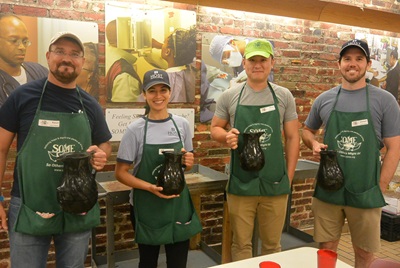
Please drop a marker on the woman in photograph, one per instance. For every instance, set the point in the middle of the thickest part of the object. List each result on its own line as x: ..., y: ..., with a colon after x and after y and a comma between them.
x: 88, y: 80
x: 177, y: 55
x: 157, y: 219
x: 179, y: 51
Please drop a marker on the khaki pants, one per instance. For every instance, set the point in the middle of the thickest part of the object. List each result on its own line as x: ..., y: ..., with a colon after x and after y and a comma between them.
x: 270, y: 212
x: 364, y: 224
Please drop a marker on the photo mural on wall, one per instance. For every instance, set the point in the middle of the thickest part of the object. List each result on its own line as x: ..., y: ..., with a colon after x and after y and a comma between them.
x: 36, y: 44
x: 141, y: 37
x: 221, y: 65
x: 385, y: 67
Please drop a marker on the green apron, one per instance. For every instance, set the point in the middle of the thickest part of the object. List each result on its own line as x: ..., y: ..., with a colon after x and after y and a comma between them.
x: 272, y: 179
x: 162, y: 221
x: 353, y: 136
x: 50, y: 135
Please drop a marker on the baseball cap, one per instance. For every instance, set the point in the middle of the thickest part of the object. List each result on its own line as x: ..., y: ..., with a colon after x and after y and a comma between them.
x: 217, y: 46
x: 60, y: 35
x: 154, y: 77
x: 356, y: 43
x: 258, y: 47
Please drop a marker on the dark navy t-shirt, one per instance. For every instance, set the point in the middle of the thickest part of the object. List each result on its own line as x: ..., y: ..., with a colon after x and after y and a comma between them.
x: 18, y: 112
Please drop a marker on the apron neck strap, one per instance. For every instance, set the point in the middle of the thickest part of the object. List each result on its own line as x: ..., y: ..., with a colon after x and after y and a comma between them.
x: 146, y: 118
x: 276, y: 101
x: 366, y: 93
x: 44, y: 89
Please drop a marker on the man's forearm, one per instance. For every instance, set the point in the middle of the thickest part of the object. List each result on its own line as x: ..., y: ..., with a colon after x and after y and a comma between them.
x: 219, y: 134
x: 390, y: 161
x: 389, y: 166
x: 292, y: 155
x: 3, y: 161
x: 308, y: 138
x: 106, y: 147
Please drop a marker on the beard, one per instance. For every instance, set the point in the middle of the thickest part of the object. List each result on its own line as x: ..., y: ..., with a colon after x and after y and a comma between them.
x: 353, y: 79
x: 63, y: 75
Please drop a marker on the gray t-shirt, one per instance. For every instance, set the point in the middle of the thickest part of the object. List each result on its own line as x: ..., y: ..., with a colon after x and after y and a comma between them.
x: 158, y: 132
x: 384, y: 109
x: 226, y: 104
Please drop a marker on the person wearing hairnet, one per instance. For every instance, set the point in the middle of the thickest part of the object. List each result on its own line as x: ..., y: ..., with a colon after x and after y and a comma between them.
x: 228, y: 52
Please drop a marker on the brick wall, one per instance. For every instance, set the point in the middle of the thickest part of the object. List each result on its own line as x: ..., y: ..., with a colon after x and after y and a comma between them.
x: 306, y: 54
x: 211, y: 216
x: 300, y: 214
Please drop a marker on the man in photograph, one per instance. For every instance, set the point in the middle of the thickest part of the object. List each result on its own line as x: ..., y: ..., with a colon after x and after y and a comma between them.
x: 14, y: 41
x: 393, y: 75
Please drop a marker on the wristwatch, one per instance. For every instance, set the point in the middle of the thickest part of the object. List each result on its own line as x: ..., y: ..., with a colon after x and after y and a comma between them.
x: 1, y: 198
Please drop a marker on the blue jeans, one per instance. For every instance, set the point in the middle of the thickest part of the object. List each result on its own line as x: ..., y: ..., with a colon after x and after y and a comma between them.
x: 31, y: 251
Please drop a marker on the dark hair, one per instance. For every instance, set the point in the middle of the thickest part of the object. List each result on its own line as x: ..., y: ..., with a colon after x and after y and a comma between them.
x: 146, y: 108
x: 94, y: 78
x: 183, y: 43
x: 395, y: 54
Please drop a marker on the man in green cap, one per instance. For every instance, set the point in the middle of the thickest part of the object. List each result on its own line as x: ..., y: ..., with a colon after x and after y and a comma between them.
x: 253, y: 106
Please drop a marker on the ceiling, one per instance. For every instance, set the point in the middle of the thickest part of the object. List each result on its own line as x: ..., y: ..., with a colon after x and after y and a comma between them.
x: 315, y: 10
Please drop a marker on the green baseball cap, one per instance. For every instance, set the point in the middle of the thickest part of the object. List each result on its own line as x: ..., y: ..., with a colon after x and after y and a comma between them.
x: 258, y: 47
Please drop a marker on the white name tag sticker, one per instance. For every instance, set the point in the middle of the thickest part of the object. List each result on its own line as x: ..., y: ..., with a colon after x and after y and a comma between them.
x: 359, y: 123
x: 165, y: 150
x: 48, y: 123
x: 267, y: 109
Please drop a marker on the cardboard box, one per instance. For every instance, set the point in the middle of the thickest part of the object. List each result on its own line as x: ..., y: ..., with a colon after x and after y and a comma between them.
x: 392, y: 199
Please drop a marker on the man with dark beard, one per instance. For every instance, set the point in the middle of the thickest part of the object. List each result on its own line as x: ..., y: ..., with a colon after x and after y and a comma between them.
x: 358, y: 120
x: 50, y: 116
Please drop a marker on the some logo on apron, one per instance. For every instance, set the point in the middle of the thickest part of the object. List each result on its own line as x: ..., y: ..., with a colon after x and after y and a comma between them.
x: 265, y: 138
x: 349, y: 143
x: 59, y: 146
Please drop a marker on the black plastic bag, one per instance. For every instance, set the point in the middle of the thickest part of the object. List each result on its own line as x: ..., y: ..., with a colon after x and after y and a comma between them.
x: 251, y: 156
x: 330, y: 175
x: 77, y: 193
x: 171, y: 176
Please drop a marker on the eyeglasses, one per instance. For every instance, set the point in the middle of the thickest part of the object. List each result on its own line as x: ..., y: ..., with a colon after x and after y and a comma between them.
x: 61, y: 53
x: 18, y: 42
